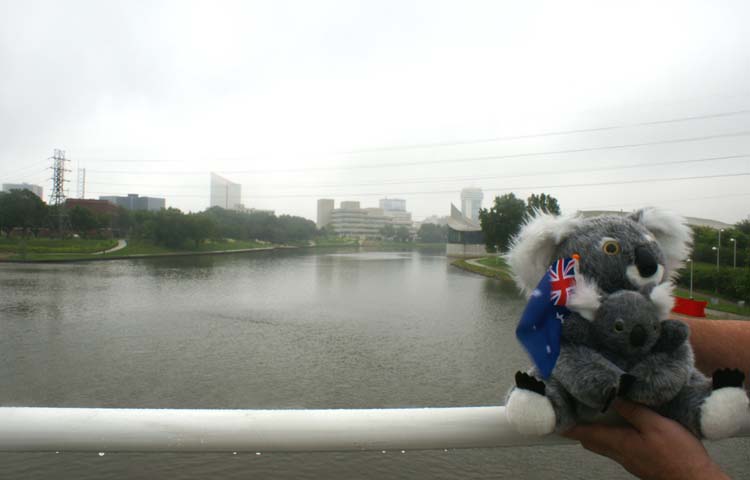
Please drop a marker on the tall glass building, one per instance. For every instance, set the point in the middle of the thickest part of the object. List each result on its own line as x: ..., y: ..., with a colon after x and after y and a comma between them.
x: 471, y: 202
x: 225, y: 194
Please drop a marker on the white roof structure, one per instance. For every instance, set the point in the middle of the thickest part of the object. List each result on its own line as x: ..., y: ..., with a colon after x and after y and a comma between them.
x: 693, y: 221
x: 461, y: 223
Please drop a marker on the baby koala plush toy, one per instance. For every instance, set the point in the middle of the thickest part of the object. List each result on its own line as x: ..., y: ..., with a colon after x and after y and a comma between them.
x: 604, y: 330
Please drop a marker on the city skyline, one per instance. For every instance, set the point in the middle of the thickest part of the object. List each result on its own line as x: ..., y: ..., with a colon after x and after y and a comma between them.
x: 505, y: 97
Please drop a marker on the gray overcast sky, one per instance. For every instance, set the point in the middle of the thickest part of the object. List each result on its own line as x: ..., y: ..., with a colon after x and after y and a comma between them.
x: 298, y: 100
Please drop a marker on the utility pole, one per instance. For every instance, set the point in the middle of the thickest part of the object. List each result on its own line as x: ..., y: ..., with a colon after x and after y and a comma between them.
x: 81, y: 183
x: 57, y: 197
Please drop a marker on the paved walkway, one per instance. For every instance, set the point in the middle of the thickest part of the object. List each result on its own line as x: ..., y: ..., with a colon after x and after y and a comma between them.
x: 120, y: 245
x: 476, y: 263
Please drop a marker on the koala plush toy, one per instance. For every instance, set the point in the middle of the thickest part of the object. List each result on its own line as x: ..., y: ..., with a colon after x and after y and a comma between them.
x: 617, y: 339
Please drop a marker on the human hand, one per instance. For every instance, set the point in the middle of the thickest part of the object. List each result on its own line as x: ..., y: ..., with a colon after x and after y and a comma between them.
x: 651, y: 447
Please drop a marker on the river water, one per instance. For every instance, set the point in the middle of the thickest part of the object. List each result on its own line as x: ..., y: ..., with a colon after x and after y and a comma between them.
x: 282, y: 329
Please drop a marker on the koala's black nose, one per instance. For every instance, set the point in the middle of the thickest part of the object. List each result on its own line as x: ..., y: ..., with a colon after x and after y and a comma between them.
x: 645, y: 261
x: 638, y: 336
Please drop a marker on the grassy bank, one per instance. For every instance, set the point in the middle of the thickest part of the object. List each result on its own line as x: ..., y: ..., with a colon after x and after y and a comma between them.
x: 139, y: 248
x: 493, y: 267
x: 336, y: 242
x: 390, y: 244
x: 44, y: 246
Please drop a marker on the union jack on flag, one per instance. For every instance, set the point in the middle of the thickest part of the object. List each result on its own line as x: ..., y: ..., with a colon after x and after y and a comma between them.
x: 540, y: 327
x: 562, y: 281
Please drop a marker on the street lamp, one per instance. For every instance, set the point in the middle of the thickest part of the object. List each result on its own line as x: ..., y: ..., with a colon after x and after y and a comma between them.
x: 717, y: 268
x: 690, y: 261
x: 718, y: 249
x: 734, y: 261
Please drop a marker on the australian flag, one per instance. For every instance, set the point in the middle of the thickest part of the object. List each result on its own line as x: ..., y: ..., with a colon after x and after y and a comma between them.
x: 541, y: 323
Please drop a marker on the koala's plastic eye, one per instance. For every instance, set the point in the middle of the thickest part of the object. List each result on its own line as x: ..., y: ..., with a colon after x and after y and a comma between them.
x: 611, y: 247
x: 619, y: 325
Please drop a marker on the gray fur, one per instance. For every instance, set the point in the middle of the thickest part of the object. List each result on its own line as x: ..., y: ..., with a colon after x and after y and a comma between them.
x: 545, y: 238
x: 625, y: 345
x: 588, y: 374
x: 608, y: 270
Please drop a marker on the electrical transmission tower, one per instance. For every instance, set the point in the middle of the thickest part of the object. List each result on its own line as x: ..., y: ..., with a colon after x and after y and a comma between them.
x: 81, y: 183
x: 57, y: 198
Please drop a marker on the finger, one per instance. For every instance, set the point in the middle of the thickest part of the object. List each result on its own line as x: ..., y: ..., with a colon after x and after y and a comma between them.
x: 601, y: 439
x: 640, y: 417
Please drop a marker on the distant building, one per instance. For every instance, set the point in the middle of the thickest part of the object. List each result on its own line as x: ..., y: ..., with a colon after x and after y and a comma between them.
x: 352, y: 221
x: 135, y: 202
x: 465, y: 238
x: 399, y: 219
x: 471, y: 202
x: 395, y: 209
x: 325, y: 207
x: 95, y: 206
x: 393, y: 204
x: 434, y: 219
x: 35, y: 189
x: 225, y: 194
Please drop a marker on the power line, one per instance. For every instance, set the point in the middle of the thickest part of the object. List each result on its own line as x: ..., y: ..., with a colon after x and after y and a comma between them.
x: 671, y: 200
x: 468, y: 179
x: 480, y: 141
x: 499, y: 189
x: 546, y: 134
x: 450, y: 160
x: 27, y: 169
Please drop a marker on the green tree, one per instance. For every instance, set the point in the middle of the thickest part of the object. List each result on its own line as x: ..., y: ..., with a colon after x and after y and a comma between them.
x: 403, y: 234
x: 743, y: 226
x: 198, y: 228
x: 502, y: 221
x: 387, y: 231
x: 431, y: 233
x: 21, y: 208
x: 543, y: 203
x: 83, y: 219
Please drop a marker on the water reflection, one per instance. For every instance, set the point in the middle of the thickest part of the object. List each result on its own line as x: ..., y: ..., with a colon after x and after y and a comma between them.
x: 269, y: 330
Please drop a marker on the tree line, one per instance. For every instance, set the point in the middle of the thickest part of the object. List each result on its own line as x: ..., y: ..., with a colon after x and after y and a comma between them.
x: 503, y: 220
x: 22, y: 209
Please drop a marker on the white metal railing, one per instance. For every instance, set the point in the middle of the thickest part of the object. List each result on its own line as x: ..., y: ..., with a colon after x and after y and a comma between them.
x: 175, y: 430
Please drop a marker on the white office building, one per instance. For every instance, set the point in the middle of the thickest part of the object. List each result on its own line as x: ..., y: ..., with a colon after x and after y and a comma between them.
x: 35, y: 189
x: 225, y: 194
x: 395, y: 210
x: 393, y: 204
x: 471, y: 202
x: 350, y: 220
x: 325, y: 208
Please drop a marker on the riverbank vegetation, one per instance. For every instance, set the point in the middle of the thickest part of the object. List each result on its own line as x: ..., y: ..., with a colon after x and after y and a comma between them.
x: 728, y: 282
x: 53, y: 246
x: 492, y: 267
x: 25, y: 220
x: 504, y: 219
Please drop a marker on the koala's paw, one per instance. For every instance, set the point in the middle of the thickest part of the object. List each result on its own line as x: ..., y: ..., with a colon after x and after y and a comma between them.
x: 530, y: 412
x: 527, y: 382
x: 721, y: 412
x: 727, y: 377
x: 626, y: 382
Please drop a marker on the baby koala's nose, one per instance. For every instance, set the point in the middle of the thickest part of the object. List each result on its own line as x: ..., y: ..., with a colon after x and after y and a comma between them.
x: 638, y: 336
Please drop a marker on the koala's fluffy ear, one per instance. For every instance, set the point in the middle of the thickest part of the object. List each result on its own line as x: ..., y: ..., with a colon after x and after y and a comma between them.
x: 531, y: 251
x: 671, y: 233
x: 662, y: 297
